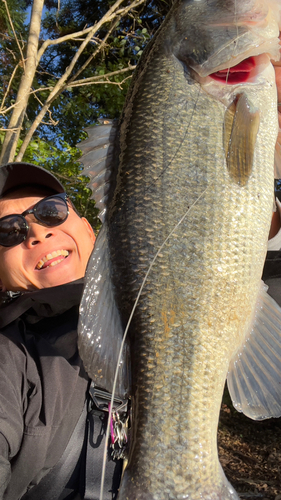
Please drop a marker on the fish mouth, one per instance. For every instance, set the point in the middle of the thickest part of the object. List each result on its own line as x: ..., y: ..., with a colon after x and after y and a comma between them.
x: 52, y: 259
x: 236, y: 74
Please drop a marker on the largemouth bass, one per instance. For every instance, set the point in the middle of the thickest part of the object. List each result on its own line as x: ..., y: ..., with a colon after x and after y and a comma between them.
x: 185, y: 188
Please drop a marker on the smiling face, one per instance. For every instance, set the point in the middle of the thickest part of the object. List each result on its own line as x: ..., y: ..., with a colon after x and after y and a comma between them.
x: 49, y: 256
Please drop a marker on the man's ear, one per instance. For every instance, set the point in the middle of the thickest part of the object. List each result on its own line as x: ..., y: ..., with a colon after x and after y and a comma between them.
x: 89, y: 229
x: 2, y: 287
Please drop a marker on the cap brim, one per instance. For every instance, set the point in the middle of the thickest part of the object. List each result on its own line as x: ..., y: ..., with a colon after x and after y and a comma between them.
x: 18, y: 175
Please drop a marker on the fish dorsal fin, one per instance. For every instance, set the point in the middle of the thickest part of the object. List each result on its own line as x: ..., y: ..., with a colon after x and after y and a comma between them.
x: 100, y: 330
x: 100, y: 161
x: 254, y: 378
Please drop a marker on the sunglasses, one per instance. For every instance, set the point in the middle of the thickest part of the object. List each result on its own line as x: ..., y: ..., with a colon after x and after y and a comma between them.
x: 51, y: 211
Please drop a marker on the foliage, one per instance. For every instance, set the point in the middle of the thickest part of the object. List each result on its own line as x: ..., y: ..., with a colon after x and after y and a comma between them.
x: 9, y: 51
x: 77, y: 105
x: 82, y: 106
x: 64, y: 164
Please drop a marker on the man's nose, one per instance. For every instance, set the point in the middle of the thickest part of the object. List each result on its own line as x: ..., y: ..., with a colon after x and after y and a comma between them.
x: 37, y: 233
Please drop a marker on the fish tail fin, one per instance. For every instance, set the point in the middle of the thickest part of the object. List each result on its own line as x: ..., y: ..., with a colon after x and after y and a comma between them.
x: 254, y: 377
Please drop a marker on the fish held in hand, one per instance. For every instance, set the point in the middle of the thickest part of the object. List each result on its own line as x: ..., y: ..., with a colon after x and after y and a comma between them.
x: 185, y: 189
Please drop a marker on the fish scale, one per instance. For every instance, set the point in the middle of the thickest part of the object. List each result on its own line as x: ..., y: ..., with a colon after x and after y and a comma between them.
x: 180, y: 196
x: 199, y: 348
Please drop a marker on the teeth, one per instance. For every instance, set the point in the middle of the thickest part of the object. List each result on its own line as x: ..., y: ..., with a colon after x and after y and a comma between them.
x: 50, y: 256
x: 55, y: 262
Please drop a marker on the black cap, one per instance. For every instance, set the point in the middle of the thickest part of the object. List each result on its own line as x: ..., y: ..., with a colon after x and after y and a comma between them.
x: 17, y: 175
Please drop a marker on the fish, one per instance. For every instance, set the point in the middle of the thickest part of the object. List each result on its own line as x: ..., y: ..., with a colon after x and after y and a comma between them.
x: 185, y: 186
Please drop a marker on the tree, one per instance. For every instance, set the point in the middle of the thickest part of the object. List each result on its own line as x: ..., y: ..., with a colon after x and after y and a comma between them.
x: 72, y: 64
x: 95, y: 35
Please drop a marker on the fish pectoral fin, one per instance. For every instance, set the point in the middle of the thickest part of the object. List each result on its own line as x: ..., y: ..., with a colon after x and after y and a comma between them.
x: 254, y: 378
x: 241, y: 125
x: 100, y: 161
x: 100, y: 330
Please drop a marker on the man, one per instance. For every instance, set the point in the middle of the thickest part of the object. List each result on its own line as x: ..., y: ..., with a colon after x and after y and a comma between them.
x: 44, y: 250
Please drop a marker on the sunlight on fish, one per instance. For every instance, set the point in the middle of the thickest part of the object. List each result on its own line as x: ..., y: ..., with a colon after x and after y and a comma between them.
x: 184, y: 185
x: 126, y: 332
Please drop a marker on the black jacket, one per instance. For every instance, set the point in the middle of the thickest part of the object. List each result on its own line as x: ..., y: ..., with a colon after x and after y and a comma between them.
x: 272, y: 274
x: 42, y: 384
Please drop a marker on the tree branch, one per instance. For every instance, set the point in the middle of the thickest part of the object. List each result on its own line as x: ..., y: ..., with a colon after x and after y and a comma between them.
x: 98, y: 49
x: 60, y: 86
x: 112, y: 15
x: 8, y: 88
x: 5, y: 111
x: 125, y: 10
x: 88, y: 81
x: 95, y: 79
x: 52, y: 122
x: 106, y: 18
x: 11, y: 137
x: 81, y: 84
x: 5, y: 130
x: 72, y: 36
x: 13, y: 29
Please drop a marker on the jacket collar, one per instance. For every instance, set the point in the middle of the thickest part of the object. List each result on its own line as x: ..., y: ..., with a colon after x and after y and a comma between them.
x: 42, y: 303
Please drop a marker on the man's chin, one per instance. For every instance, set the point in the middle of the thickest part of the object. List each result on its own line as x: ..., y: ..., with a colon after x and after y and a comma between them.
x: 60, y: 280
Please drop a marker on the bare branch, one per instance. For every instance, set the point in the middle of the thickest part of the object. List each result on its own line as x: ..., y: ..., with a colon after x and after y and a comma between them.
x: 12, y: 53
x: 41, y: 89
x: 5, y: 129
x: 44, y: 72
x: 95, y: 79
x: 57, y: 14
x: 15, y: 35
x: 51, y: 122
x: 8, y: 88
x: 47, y: 43
x: 87, y: 81
x: 130, y: 7
x: 5, y: 111
x: 61, y: 83
x: 106, y: 18
x: 11, y: 137
x: 22, y: 41
x: 81, y: 84
x: 112, y: 16
x: 98, y: 49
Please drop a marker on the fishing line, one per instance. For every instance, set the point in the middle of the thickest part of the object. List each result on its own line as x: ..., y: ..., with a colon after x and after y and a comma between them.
x: 237, y: 34
x: 125, y: 335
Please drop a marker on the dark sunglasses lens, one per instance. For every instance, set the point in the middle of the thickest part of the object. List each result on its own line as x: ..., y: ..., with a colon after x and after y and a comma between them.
x: 13, y: 230
x: 51, y: 211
